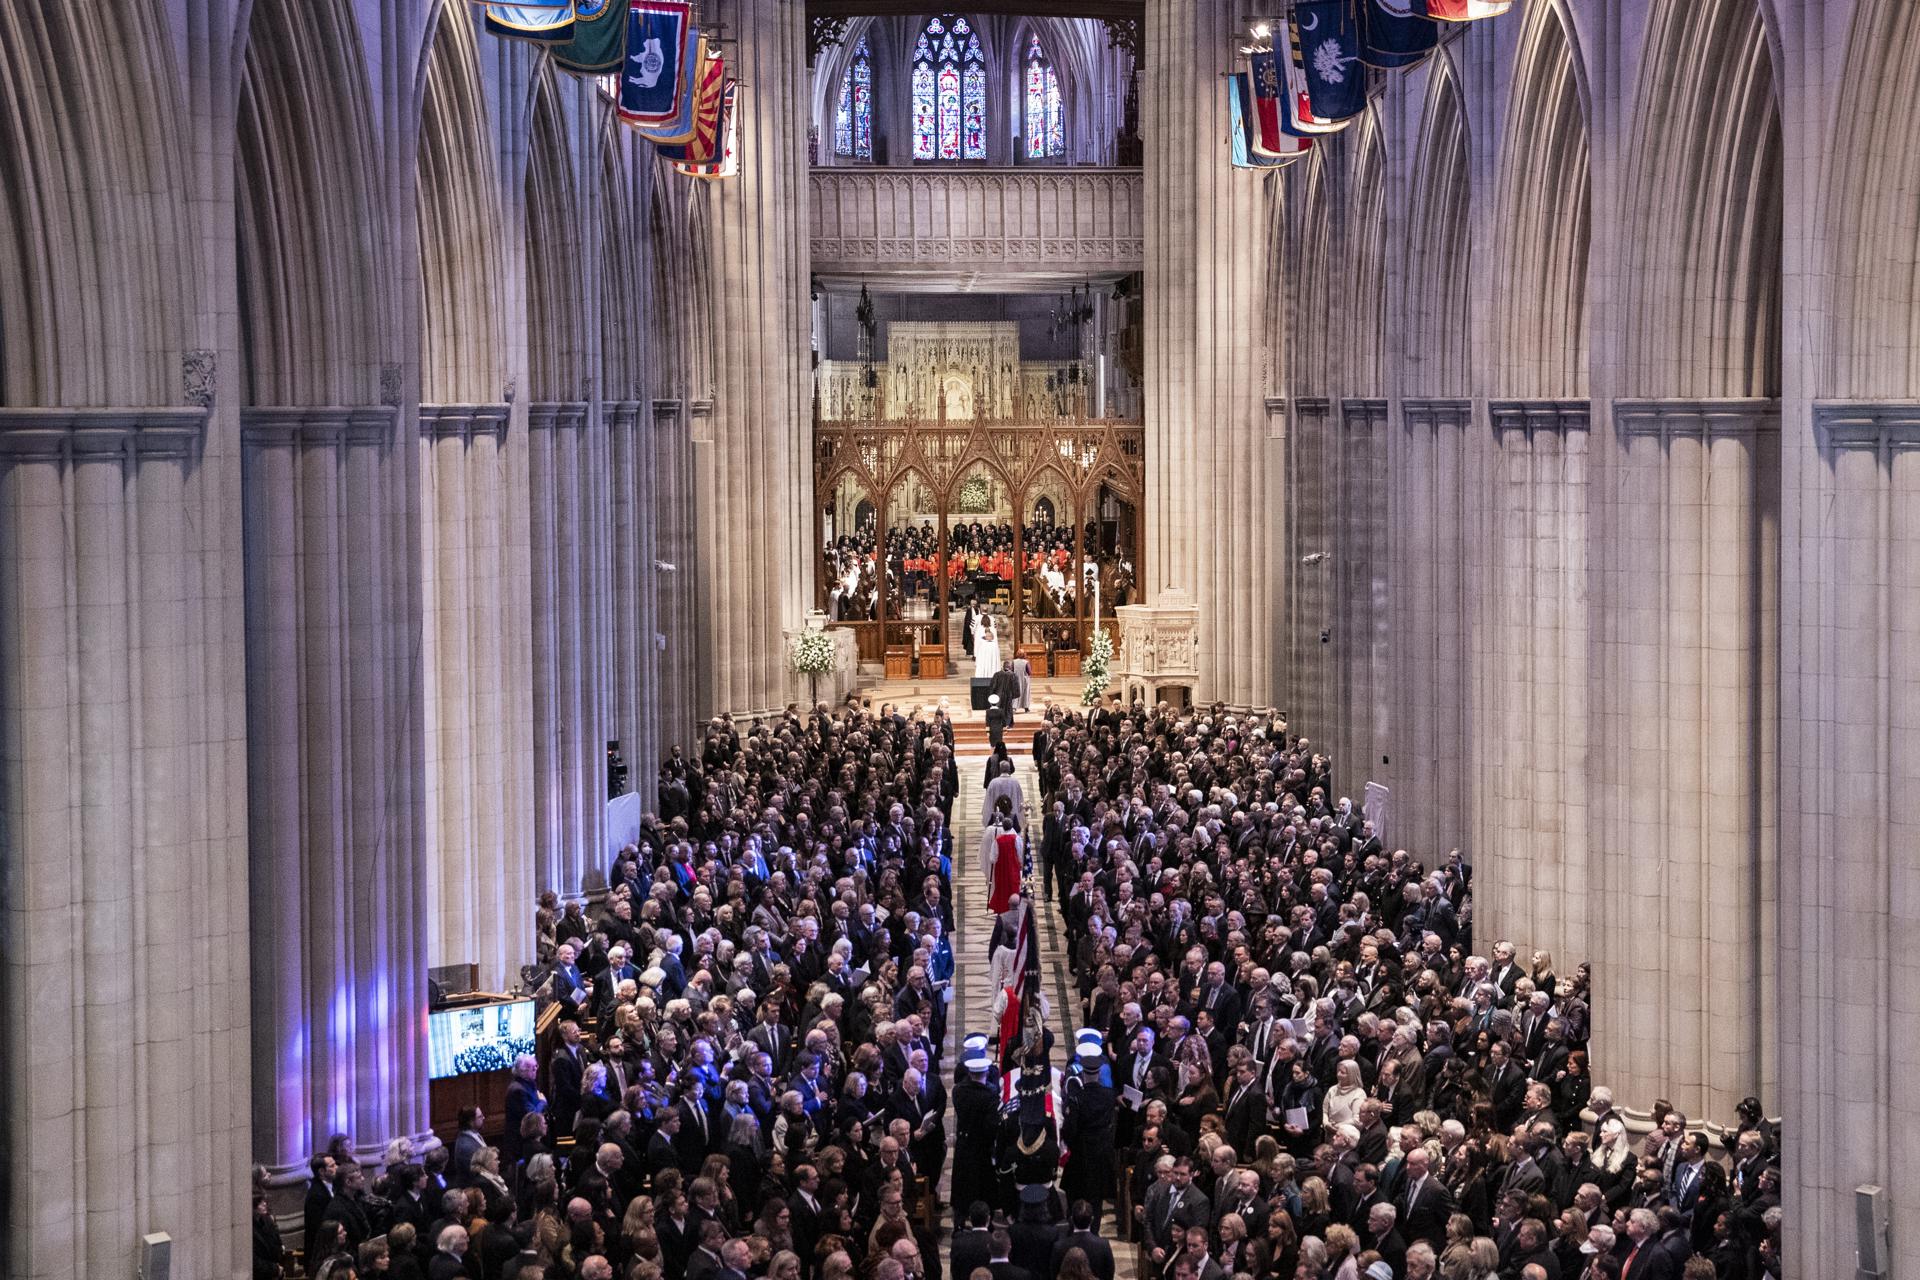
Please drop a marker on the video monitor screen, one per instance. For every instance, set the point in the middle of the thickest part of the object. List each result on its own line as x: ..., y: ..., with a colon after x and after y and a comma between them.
x: 487, y: 1037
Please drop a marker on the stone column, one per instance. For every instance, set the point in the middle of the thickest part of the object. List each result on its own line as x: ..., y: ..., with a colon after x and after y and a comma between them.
x: 676, y: 523
x: 635, y: 499
x: 1689, y: 757
x: 569, y: 546
x: 336, y: 812
x: 753, y: 454
x: 1532, y: 872
x: 1208, y: 531
x: 1311, y: 471
x: 1852, y: 743
x: 1436, y: 477
x: 1359, y: 568
x: 479, y: 729
x: 123, y: 831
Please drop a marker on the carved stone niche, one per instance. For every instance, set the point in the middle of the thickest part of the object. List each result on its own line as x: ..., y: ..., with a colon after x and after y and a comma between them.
x: 1159, y: 649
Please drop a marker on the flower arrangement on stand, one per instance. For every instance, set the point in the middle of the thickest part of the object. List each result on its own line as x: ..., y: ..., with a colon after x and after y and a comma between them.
x: 1096, y: 668
x: 813, y: 655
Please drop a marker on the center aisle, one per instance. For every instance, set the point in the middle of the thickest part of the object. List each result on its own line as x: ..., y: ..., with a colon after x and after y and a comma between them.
x: 973, y: 985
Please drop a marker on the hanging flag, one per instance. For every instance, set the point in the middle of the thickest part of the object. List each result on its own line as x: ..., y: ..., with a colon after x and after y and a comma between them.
x: 1327, y: 41
x: 700, y: 124
x: 709, y: 97
x: 599, y: 38
x: 727, y: 165
x: 1398, y: 33
x: 544, y: 20
x: 1035, y: 1027
x: 1240, y: 111
x: 1297, y: 114
x: 1263, y: 82
x: 662, y: 56
x: 1466, y: 10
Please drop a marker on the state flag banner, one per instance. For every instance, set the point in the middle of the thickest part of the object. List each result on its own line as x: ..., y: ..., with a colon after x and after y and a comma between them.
x: 709, y: 96
x: 1263, y: 81
x: 1240, y: 113
x: 1396, y: 33
x: 727, y: 164
x: 1299, y: 117
x: 1327, y: 42
x: 598, y: 41
x: 545, y: 23
x: 662, y: 57
x: 1466, y: 10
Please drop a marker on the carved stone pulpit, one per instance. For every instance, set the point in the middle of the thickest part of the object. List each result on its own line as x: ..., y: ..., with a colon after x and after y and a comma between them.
x: 1159, y: 650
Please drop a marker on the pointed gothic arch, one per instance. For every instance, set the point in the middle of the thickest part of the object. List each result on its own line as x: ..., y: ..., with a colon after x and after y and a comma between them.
x: 1366, y: 226
x: 556, y: 313
x: 312, y: 276
x: 462, y: 258
x: 1543, y: 227
x: 1706, y: 319
x: 1314, y: 238
x: 623, y: 318
x: 1441, y: 257
x: 1874, y: 347
x: 94, y: 251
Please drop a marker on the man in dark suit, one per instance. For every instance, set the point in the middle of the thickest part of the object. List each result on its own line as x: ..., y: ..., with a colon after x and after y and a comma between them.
x: 322, y: 1171
x: 1383, y: 1234
x: 1002, y: 1264
x: 1173, y: 1206
x: 1246, y: 1116
x: 1507, y: 1086
x: 1084, y: 1236
x: 1525, y: 1174
x: 348, y: 1207
x: 1219, y: 995
x: 467, y: 1143
x: 773, y: 1039
x: 449, y: 1261
x: 973, y: 1244
x: 564, y: 1072
x: 619, y: 969
x: 1506, y: 973
x: 695, y: 1139
x: 1033, y: 1234
x: 1688, y: 1180
x: 1553, y: 1053
x: 572, y: 987
x: 1425, y: 1203
x: 661, y: 1152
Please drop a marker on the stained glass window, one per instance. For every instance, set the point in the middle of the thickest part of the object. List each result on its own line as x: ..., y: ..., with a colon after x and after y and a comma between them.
x: 853, y: 120
x: 949, y: 92
x: 1046, y: 129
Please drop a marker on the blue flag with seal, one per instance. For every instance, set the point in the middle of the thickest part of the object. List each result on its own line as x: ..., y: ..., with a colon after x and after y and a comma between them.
x: 662, y: 58
x: 1328, y: 47
x: 1297, y: 115
x: 1398, y: 33
x: 544, y: 22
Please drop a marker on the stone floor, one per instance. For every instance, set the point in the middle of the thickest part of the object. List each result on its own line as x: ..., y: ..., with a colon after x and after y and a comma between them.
x: 973, y: 925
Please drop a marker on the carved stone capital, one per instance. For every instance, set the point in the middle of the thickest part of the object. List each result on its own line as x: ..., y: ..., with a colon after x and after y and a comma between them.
x: 74, y: 435
x: 320, y: 426
x: 463, y: 421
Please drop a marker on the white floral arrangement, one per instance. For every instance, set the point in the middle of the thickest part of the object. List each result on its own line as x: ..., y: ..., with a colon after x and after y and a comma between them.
x: 1099, y: 662
x: 814, y: 653
x: 976, y: 494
